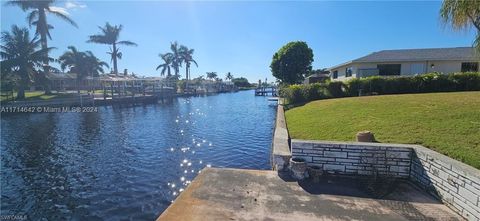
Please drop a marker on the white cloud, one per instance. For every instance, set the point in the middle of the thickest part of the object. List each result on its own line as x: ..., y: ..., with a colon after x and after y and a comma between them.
x: 72, y: 4
x: 59, y: 9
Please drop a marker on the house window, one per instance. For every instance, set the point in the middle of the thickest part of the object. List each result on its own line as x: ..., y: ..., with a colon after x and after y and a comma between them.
x: 469, y: 66
x: 348, y: 72
x: 389, y: 69
x: 335, y: 74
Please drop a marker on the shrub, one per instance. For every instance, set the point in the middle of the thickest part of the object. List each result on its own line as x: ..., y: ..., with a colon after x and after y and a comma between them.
x: 353, y: 87
x: 400, y: 85
x: 425, y: 83
x: 313, y: 92
x: 335, y: 89
x: 376, y: 85
x: 294, y: 94
x: 434, y: 82
x: 469, y: 81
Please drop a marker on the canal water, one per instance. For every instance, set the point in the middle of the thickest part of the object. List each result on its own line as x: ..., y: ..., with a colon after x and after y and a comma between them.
x: 127, y: 162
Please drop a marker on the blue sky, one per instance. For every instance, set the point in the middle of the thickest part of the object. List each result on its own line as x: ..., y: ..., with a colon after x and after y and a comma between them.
x: 241, y: 37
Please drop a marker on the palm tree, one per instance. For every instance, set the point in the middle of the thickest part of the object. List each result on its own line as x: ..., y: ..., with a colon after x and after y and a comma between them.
x: 176, y: 57
x: 211, y: 75
x: 229, y: 76
x: 94, y: 65
x: 200, y: 78
x: 186, y: 55
x: 115, y: 54
x: 81, y: 63
x: 37, y: 16
x: 461, y: 15
x: 109, y: 36
x: 22, y: 56
x: 167, y: 63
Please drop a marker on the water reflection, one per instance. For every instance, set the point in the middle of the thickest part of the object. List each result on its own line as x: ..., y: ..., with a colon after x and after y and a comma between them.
x: 127, y: 162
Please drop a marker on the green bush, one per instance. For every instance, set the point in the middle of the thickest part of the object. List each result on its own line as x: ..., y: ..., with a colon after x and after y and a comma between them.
x: 469, y: 81
x: 353, y: 87
x: 335, y: 89
x: 400, y: 85
x: 425, y: 83
x: 313, y: 92
x: 434, y: 82
x: 294, y: 94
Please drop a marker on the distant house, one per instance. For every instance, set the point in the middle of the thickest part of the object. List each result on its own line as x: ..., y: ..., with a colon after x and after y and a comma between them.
x: 317, y: 77
x: 62, y: 81
x: 408, y: 62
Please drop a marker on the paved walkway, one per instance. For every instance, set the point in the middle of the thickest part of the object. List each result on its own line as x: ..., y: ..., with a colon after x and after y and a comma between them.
x: 234, y: 194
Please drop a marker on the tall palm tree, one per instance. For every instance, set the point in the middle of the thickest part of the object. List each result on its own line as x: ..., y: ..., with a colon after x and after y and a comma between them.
x: 211, y: 75
x: 37, y: 15
x: 115, y: 54
x: 22, y: 56
x: 462, y: 15
x: 110, y: 36
x: 81, y: 63
x: 229, y: 76
x: 176, y: 57
x: 167, y: 62
x: 186, y: 55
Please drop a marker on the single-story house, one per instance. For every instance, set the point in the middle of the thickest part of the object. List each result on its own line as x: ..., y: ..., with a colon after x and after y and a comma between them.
x: 408, y: 62
x: 322, y: 76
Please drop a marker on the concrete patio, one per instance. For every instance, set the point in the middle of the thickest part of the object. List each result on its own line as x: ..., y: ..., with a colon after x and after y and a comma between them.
x: 235, y: 194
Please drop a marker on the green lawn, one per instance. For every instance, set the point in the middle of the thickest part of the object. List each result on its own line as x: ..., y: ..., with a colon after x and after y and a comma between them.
x: 39, y: 95
x: 446, y: 122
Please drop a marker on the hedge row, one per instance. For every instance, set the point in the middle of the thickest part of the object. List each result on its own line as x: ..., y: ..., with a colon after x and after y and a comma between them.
x: 425, y: 83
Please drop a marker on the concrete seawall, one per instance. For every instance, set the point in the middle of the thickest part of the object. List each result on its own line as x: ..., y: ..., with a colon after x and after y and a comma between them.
x: 81, y: 100
x: 280, y: 143
x: 233, y: 194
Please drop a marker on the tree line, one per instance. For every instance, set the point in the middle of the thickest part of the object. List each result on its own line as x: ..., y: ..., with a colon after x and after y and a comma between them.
x: 25, y: 57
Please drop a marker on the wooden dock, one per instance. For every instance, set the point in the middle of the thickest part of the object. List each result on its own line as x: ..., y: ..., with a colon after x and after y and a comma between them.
x: 266, y: 91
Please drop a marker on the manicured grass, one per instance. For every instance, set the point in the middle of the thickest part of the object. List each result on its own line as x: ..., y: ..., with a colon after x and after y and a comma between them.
x: 39, y: 95
x: 446, y: 122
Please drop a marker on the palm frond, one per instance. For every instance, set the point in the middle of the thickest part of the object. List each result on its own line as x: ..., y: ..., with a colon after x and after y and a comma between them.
x: 99, y: 39
x: 24, y: 5
x: 460, y: 14
x: 476, y: 44
x: 128, y: 43
x: 62, y: 13
x: 32, y: 17
x: 159, y: 66
x: 195, y: 62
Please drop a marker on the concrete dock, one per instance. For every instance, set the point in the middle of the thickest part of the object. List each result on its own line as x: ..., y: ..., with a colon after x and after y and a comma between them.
x: 236, y: 194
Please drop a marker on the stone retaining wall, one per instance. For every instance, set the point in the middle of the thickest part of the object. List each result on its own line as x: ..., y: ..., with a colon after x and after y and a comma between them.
x: 354, y: 158
x: 456, y: 184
